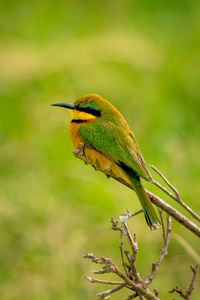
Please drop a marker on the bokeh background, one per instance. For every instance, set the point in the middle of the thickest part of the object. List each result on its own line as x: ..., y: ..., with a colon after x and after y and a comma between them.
x: 144, y: 56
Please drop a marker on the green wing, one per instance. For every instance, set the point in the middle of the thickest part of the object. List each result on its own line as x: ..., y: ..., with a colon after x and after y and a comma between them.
x: 116, y: 143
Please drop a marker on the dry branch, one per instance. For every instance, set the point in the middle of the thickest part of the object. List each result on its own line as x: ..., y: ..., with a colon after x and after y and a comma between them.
x: 166, y: 236
x: 79, y: 153
x: 176, y: 196
x: 175, y: 213
x: 131, y: 278
x: 188, y: 292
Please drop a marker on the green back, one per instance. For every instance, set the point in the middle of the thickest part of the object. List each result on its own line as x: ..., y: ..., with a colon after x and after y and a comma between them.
x: 115, y: 142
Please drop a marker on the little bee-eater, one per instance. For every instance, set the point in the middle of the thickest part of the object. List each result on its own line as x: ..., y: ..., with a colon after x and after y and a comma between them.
x: 110, y: 146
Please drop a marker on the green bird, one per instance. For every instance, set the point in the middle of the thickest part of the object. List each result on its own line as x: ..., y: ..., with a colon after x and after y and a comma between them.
x: 110, y: 146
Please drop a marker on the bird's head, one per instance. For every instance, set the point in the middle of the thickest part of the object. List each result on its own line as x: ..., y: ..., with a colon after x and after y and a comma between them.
x: 91, y: 107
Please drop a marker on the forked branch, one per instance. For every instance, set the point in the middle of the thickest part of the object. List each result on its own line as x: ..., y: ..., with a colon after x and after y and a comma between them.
x: 79, y: 153
x: 176, y: 195
x: 130, y: 278
x: 188, y: 292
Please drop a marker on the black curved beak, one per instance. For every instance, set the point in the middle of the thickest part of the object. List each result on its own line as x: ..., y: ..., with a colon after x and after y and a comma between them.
x: 65, y: 105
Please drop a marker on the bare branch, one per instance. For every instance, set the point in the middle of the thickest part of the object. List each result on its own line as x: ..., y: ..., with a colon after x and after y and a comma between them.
x: 176, y: 196
x: 156, y: 292
x: 116, y: 227
x: 135, y: 295
x: 133, y: 243
x: 93, y: 258
x: 131, y: 278
x: 188, y: 292
x: 103, y: 295
x: 178, y: 291
x: 136, y: 287
x: 174, y: 213
x: 162, y: 223
x: 191, y: 286
x: 156, y: 266
x: 134, y: 214
x: 122, y: 253
x: 96, y: 280
x: 79, y: 153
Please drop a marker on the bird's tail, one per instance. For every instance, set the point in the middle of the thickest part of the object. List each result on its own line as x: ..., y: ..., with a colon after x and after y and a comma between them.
x: 149, y: 212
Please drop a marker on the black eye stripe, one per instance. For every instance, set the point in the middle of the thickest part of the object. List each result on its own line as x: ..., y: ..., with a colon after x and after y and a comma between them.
x: 89, y: 110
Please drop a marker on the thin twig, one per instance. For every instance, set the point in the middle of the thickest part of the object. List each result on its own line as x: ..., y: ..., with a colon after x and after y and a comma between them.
x: 156, y: 292
x: 162, y: 223
x: 133, y: 243
x: 130, y: 297
x: 191, y: 286
x: 104, y: 295
x: 140, y: 290
x: 96, y: 280
x: 79, y: 153
x: 188, y: 292
x: 176, y: 196
x: 122, y: 253
x: 132, y: 279
x: 93, y: 258
x: 156, y: 266
x: 134, y: 214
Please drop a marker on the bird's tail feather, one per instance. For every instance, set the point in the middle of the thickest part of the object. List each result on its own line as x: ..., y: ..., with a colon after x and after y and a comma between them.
x: 149, y: 212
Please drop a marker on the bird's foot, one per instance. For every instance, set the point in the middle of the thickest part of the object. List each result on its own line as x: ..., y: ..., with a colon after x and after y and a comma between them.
x: 79, y: 153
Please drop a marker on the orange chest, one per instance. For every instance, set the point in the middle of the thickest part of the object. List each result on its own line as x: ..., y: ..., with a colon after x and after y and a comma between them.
x: 97, y: 159
x: 74, y: 134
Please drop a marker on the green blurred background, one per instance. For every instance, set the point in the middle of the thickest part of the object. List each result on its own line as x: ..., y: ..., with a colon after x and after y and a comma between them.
x: 144, y: 56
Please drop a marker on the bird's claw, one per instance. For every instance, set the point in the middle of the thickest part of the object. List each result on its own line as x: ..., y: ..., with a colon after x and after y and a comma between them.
x: 79, y: 151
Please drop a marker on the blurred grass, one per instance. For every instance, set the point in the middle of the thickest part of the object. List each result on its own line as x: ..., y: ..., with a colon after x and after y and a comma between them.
x: 145, y: 58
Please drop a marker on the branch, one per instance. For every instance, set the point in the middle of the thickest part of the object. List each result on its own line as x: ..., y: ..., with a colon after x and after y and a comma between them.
x: 127, y: 282
x: 166, y: 236
x: 79, y: 153
x: 96, y: 280
x: 103, y: 295
x: 131, y: 278
x: 176, y: 196
x: 115, y: 227
x: 188, y: 292
x: 174, y: 213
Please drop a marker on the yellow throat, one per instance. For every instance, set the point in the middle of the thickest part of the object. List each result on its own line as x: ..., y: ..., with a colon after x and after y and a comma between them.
x: 80, y: 115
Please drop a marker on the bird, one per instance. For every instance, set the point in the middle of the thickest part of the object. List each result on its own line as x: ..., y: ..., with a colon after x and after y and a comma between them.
x: 108, y: 143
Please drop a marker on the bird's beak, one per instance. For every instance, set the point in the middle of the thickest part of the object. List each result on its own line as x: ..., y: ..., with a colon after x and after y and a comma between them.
x: 65, y: 105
